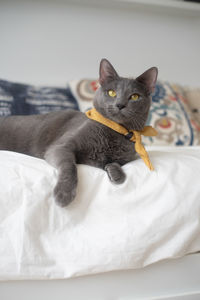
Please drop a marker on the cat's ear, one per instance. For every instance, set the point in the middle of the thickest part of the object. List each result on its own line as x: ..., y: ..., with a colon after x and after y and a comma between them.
x: 149, y: 78
x: 106, y: 72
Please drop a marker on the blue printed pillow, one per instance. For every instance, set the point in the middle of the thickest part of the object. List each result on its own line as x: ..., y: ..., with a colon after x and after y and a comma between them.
x: 170, y: 113
x: 22, y: 99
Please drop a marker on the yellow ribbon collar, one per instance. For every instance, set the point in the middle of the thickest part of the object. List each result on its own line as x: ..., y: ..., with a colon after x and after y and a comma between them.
x: 132, y: 135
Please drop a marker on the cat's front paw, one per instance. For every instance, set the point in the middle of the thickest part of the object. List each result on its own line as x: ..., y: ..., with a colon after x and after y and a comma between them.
x: 64, y: 195
x: 115, y: 173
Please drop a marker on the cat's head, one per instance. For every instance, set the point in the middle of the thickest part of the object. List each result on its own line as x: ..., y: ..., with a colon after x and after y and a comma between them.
x: 124, y: 100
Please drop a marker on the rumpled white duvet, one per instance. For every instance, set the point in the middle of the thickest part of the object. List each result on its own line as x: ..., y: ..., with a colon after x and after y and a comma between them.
x: 151, y: 217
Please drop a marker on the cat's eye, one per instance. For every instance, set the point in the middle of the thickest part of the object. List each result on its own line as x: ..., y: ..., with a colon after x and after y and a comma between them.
x: 112, y: 93
x: 135, y: 97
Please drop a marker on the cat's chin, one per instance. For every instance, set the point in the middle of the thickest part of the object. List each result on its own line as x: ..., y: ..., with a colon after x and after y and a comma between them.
x: 128, y: 124
x: 120, y: 117
x: 131, y: 123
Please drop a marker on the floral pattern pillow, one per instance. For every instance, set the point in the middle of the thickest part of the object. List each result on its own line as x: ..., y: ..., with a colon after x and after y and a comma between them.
x: 193, y: 97
x: 170, y: 114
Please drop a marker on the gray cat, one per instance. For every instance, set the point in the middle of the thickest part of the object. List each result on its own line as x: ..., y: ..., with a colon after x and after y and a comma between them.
x: 67, y: 138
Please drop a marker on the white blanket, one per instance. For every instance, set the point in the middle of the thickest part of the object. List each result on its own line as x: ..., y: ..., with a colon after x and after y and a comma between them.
x: 151, y: 217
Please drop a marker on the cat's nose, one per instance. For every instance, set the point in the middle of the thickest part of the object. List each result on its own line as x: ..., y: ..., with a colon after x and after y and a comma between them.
x: 120, y: 106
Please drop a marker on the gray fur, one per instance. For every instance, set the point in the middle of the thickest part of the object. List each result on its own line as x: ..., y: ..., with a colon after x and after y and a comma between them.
x: 67, y: 138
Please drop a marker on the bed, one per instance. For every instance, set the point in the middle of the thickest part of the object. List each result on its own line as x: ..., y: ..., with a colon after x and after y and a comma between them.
x: 137, y: 241
x: 149, y: 227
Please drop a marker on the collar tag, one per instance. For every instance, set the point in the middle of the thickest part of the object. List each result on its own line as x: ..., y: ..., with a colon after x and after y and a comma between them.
x: 129, y: 135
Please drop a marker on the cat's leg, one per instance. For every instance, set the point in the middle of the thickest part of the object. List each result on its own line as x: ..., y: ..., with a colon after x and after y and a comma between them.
x: 115, y: 173
x: 64, y: 160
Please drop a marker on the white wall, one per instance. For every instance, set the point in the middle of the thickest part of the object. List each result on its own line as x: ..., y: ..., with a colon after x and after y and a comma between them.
x: 50, y: 42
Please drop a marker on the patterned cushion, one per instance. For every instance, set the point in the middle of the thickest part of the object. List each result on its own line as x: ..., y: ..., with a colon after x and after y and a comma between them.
x: 193, y: 97
x: 21, y: 99
x: 83, y: 90
x: 169, y: 113
x: 172, y: 118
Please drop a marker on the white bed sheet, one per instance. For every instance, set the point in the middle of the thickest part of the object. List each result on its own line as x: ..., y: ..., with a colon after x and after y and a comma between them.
x: 151, y: 217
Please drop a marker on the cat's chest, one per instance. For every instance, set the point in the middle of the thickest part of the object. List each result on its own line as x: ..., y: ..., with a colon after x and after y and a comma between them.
x: 102, y: 145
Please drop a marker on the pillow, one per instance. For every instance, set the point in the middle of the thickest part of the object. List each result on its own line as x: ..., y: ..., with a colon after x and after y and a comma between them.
x: 172, y: 117
x: 22, y: 99
x: 150, y: 217
x: 193, y: 97
x: 84, y: 90
x: 170, y: 113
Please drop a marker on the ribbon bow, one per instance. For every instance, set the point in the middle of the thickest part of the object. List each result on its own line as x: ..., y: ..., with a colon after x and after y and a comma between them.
x: 132, y: 135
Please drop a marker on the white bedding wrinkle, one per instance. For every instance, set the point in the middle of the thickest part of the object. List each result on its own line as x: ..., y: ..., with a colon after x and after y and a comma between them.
x: 150, y: 217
